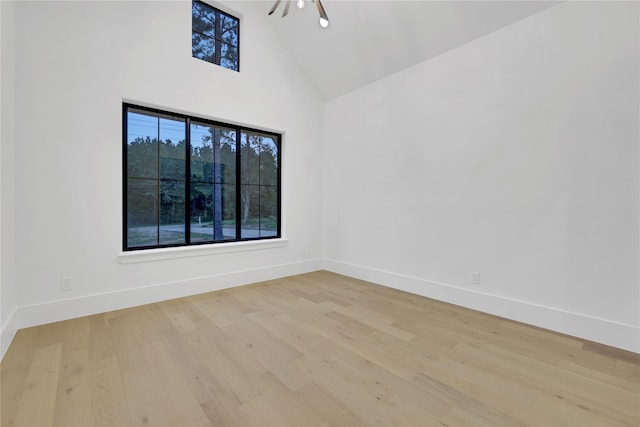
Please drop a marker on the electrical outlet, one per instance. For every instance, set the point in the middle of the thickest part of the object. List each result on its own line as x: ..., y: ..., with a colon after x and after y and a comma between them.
x: 475, y: 278
x: 65, y: 284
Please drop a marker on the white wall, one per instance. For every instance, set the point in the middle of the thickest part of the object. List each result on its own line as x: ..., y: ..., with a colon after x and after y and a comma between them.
x: 71, y: 79
x: 7, y: 170
x: 516, y: 156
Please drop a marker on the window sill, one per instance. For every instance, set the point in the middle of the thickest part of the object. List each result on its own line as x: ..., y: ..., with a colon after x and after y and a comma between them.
x: 149, y: 255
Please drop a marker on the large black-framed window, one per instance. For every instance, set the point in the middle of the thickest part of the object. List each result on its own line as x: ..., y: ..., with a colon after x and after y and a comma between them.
x: 215, y: 36
x: 189, y: 180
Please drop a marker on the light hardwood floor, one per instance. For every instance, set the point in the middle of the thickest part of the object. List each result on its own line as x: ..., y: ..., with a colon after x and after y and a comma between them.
x: 316, y: 349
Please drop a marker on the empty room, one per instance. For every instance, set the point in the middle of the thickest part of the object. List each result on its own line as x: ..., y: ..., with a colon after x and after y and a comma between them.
x: 319, y: 213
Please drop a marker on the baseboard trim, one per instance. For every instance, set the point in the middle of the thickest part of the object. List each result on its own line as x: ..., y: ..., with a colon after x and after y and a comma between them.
x: 575, y: 324
x: 8, y: 331
x: 53, y: 311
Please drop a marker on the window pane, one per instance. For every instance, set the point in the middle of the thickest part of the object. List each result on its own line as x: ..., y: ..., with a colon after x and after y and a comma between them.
x: 213, y: 154
x: 172, y: 148
x: 229, y: 212
x: 201, y: 153
x: 268, y: 211
x: 268, y: 162
x: 228, y: 155
x: 250, y: 215
x: 229, y: 57
x: 142, y: 212
x: 203, y: 19
x: 203, y: 47
x: 229, y: 30
x: 213, y: 212
x: 201, y: 212
x: 142, y: 145
x: 250, y: 158
x: 172, y: 228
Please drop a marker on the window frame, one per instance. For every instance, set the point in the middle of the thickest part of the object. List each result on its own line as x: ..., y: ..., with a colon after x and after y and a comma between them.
x: 217, y: 60
x: 188, y: 118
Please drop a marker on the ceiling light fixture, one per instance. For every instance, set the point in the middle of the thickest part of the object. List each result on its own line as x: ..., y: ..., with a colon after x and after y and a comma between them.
x: 324, y: 19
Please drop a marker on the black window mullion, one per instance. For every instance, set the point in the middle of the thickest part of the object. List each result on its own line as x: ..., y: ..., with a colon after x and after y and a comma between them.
x: 187, y: 182
x: 218, y: 38
x: 259, y: 188
x: 159, y: 203
x: 238, y: 184
x: 125, y: 181
x: 237, y: 46
x: 204, y: 35
x: 279, y: 189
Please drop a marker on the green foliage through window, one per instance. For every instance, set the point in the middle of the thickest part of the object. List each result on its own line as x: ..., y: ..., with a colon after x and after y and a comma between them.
x: 188, y: 180
x: 215, y: 36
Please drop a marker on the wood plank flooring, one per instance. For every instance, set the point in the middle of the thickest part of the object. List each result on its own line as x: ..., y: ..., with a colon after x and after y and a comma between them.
x: 312, y: 350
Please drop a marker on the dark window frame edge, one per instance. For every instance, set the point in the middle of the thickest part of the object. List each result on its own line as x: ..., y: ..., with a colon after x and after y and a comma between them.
x: 126, y: 105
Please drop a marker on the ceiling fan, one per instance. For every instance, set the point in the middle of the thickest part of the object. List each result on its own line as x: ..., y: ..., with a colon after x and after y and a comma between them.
x: 324, y: 19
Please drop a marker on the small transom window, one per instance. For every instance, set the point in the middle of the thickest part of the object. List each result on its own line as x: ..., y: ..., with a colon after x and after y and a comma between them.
x: 215, y: 36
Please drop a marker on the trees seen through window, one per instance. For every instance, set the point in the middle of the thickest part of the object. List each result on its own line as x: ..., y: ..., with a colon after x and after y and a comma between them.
x: 215, y: 36
x: 190, y: 181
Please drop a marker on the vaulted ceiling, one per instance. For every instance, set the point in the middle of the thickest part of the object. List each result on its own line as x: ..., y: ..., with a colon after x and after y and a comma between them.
x: 368, y: 40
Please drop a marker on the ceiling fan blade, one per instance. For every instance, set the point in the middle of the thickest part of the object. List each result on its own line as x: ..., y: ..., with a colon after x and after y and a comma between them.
x: 275, y: 6
x: 321, y: 10
x: 286, y: 8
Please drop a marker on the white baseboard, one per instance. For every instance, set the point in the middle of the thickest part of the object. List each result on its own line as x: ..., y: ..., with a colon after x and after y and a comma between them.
x: 603, y: 331
x: 586, y: 327
x: 53, y: 311
x: 7, y: 333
